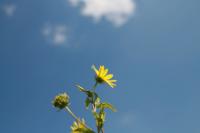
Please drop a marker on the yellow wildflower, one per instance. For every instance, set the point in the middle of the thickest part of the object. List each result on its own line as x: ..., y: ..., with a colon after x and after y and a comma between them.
x: 80, y: 127
x: 102, y: 76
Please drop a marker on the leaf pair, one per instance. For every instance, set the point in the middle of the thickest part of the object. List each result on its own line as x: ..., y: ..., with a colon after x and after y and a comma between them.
x: 91, y: 96
x: 105, y: 105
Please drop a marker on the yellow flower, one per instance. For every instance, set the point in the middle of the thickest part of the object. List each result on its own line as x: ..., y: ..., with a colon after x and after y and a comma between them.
x: 102, y: 76
x: 79, y: 127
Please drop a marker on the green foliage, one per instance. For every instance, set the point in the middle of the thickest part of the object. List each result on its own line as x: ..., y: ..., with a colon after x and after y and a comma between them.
x: 105, y: 105
x: 92, y: 102
x: 91, y: 98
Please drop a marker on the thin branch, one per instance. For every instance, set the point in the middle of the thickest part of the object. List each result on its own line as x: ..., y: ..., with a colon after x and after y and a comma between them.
x: 75, y: 117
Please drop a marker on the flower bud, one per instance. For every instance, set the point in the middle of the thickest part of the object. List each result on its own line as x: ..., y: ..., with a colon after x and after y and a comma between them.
x: 61, y: 101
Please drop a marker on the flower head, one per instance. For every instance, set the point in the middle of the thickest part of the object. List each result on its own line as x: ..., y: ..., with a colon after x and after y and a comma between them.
x: 79, y: 127
x: 61, y: 101
x: 102, y: 76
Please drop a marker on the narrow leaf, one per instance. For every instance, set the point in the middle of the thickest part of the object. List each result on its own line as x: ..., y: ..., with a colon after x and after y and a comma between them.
x: 105, y: 105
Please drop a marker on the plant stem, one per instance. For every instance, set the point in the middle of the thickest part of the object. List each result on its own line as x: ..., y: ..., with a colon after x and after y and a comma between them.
x: 102, y: 130
x: 75, y: 117
x: 71, y: 113
x: 93, y: 103
x: 94, y: 108
x: 95, y: 86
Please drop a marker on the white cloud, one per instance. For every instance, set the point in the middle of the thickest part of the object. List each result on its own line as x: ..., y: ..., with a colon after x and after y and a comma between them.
x: 74, y: 2
x: 115, y: 11
x: 55, y: 34
x: 9, y: 9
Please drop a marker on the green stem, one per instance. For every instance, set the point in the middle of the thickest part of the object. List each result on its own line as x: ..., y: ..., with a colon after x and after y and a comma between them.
x: 93, y: 104
x: 72, y: 114
x: 95, y: 86
x: 98, y: 130
x: 75, y: 117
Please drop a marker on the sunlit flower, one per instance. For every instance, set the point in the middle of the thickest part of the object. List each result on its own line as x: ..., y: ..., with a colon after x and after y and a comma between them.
x: 79, y: 127
x: 61, y: 101
x: 102, y: 76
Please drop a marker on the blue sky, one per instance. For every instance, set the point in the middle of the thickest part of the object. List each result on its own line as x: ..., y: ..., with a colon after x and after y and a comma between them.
x: 46, y: 47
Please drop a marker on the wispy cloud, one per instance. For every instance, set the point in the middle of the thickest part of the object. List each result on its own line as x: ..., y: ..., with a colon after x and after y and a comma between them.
x: 9, y: 9
x: 115, y: 11
x: 56, y: 34
x: 74, y: 2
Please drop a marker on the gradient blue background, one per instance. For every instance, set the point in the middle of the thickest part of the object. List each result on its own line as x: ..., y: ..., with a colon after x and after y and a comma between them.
x: 155, y: 57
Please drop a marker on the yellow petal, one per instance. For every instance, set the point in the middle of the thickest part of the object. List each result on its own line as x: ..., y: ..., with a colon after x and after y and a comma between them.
x: 112, y: 81
x: 101, y: 69
x: 109, y: 76
x: 111, y: 84
x: 114, y: 85
x: 105, y: 72
x: 94, y: 68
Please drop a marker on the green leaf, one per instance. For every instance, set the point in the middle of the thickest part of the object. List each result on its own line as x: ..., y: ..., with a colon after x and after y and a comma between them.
x: 96, y: 115
x: 87, y: 102
x: 102, y: 115
x: 100, y: 119
x: 81, y: 88
x: 97, y: 101
x: 87, y: 92
x: 105, y: 105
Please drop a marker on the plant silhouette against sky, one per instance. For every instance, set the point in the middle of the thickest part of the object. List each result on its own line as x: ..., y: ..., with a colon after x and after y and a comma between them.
x: 93, y: 103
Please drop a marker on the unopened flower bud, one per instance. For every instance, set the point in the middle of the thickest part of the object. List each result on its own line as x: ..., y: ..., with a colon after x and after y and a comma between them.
x: 61, y: 101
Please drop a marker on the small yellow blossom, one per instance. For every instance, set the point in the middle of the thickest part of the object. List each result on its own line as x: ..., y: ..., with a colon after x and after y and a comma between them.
x: 102, y: 76
x: 79, y: 127
x: 61, y: 101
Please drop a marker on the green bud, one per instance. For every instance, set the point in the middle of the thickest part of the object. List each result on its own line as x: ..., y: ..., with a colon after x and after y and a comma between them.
x: 61, y: 101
